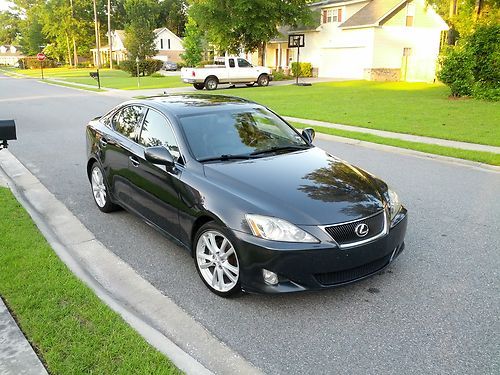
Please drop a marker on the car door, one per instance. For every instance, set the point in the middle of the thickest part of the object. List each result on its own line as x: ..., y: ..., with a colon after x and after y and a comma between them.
x: 245, y: 71
x: 156, y: 197
x: 117, y: 147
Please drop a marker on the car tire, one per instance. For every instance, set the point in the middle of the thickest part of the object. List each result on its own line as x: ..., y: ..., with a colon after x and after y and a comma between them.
x: 263, y: 80
x: 100, y: 190
x: 250, y: 84
x: 199, y: 86
x: 216, y: 260
x: 211, y: 83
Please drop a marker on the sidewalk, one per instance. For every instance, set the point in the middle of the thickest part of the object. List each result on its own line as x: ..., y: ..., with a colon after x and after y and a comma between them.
x: 402, y: 136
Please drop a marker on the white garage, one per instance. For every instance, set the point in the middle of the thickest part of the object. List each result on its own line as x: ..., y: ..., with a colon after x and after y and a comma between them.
x: 343, y: 62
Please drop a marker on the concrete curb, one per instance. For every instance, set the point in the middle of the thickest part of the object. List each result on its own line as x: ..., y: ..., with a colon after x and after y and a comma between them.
x: 156, y: 317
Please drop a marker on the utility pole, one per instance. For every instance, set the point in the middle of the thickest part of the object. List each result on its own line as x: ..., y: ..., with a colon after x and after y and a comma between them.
x: 75, y: 54
x: 98, y: 59
x: 110, y: 39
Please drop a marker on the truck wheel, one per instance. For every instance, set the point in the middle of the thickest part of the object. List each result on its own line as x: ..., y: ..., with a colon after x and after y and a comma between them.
x: 263, y: 80
x: 198, y: 86
x: 211, y: 83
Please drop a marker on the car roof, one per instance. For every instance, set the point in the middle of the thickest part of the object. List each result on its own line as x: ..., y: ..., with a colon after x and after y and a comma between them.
x: 190, y: 104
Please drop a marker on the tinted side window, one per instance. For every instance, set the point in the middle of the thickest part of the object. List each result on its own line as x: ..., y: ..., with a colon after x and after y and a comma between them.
x: 231, y: 63
x: 156, y: 131
x: 242, y: 63
x: 128, y: 121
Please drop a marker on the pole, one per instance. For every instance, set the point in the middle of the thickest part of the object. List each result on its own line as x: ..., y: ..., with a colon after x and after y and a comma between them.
x: 110, y: 39
x: 137, y: 66
x: 298, y: 65
x: 98, y: 60
x: 41, y: 67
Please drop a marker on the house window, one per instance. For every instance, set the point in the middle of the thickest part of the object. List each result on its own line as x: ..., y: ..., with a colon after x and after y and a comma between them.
x: 332, y: 15
x: 410, y: 14
x: 168, y: 40
x: 161, y: 43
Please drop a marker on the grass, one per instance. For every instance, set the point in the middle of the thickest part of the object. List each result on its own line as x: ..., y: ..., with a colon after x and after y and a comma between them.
x: 479, y: 156
x: 412, y: 108
x: 71, y: 329
x: 113, y: 79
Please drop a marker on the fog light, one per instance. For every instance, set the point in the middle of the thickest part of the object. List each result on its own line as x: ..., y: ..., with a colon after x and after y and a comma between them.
x: 270, y: 277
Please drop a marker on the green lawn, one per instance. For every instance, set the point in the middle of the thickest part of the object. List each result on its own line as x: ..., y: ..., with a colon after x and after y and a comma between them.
x: 412, y: 108
x: 70, y: 328
x: 116, y: 79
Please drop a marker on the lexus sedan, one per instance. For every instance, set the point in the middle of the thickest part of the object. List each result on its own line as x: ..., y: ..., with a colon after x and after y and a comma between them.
x: 257, y: 205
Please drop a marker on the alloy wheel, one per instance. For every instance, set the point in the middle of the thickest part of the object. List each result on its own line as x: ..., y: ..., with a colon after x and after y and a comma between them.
x: 98, y: 187
x: 217, y: 261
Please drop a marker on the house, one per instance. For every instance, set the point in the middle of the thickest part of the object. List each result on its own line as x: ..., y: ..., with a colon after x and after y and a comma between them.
x: 366, y: 39
x: 10, y: 55
x: 168, y: 45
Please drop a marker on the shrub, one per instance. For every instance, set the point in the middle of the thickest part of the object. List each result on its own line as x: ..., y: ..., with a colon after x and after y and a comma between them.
x: 305, y: 69
x: 456, y: 72
x: 146, y: 67
x: 157, y: 75
x: 473, y: 66
x: 31, y: 62
x: 281, y: 76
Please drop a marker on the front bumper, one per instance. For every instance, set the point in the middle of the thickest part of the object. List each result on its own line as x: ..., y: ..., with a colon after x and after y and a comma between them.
x: 315, y: 266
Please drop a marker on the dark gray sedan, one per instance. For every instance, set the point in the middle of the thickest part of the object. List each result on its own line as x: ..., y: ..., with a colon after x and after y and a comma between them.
x: 259, y: 207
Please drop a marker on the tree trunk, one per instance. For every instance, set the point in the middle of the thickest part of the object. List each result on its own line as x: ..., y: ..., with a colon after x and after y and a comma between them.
x: 75, y: 53
x: 477, y: 9
x: 68, y: 50
x: 452, y: 34
x: 262, y: 53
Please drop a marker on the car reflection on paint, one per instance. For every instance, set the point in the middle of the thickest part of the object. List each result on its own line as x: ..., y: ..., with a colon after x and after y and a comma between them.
x: 258, y: 206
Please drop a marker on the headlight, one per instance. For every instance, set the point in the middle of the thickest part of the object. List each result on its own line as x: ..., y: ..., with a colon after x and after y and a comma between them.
x: 274, y: 229
x: 394, y: 203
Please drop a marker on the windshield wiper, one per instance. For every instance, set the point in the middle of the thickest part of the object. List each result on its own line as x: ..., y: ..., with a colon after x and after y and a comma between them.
x: 226, y: 157
x: 280, y: 148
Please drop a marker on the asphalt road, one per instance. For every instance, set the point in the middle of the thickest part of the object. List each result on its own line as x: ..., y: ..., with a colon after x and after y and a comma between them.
x: 435, y: 310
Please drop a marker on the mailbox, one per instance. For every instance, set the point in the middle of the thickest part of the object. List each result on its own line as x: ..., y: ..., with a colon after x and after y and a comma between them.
x: 7, y: 132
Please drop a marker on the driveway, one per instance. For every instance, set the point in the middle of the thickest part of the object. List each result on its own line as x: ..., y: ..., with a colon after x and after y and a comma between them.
x: 435, y: 310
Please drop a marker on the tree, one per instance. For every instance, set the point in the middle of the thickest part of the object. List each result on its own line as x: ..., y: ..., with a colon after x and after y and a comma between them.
x: 31, y: 38
x: 10, y: 27
x: 173, y: 15
x: 193, y: 44
x: 142, y: 17
x: 234, y: 25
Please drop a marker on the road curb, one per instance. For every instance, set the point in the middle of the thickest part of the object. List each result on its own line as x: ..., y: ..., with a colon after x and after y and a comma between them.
x: 190, y: 346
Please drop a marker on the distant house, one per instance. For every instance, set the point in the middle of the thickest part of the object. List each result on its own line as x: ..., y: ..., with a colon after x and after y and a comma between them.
x: 10, y: 55
x: 366, y: 39
x: 168, y: 45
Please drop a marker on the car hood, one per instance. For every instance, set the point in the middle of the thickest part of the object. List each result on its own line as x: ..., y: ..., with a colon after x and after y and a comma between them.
x: 308, y: 187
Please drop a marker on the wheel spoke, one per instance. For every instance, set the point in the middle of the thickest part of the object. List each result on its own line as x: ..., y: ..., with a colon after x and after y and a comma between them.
x: 206, y: 265
x: 220, y: 278
x: 228, y: 253
x: 208, y: 244
x: 230, y: 267
x: 231, y: 277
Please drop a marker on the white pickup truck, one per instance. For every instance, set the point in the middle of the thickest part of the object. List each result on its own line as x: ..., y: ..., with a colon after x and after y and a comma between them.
x: 230, y: 70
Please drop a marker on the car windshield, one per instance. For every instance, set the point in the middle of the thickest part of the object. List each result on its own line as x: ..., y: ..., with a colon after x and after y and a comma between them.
x: 238, y: 134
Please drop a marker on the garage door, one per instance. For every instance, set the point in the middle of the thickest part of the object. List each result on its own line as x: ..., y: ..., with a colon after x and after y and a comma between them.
x: 342, y: 62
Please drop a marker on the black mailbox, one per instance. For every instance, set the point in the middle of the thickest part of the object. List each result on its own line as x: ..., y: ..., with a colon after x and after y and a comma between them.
x: 7, y: 132
x: 94, y: 75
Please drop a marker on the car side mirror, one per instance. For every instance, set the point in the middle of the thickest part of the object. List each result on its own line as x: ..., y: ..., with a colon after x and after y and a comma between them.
x: 7, y: 132
x: 309, y: 134
x: 159, y: 155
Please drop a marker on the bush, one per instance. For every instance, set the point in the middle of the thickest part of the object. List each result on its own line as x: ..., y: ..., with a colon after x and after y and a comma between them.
x: 473, y: 66
x: 31, y: 62
x: 146, y: 67
x: 456, y: 72
x: 305, y: 69
x: 279, y: 75
x: 157, y: 75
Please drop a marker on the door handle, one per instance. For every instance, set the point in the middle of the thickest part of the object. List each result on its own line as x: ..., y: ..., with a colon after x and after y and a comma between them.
x: 134, y: 161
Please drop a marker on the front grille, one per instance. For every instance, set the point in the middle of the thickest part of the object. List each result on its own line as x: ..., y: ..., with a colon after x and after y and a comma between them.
x: 340, y: 277
x: 344, y: 234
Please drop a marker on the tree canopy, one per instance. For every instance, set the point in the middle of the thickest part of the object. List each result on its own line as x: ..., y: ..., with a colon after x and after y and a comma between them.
x: 234, y: 25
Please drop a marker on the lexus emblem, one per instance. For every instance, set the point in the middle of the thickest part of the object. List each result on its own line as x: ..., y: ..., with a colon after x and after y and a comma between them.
x: 361, y: 230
